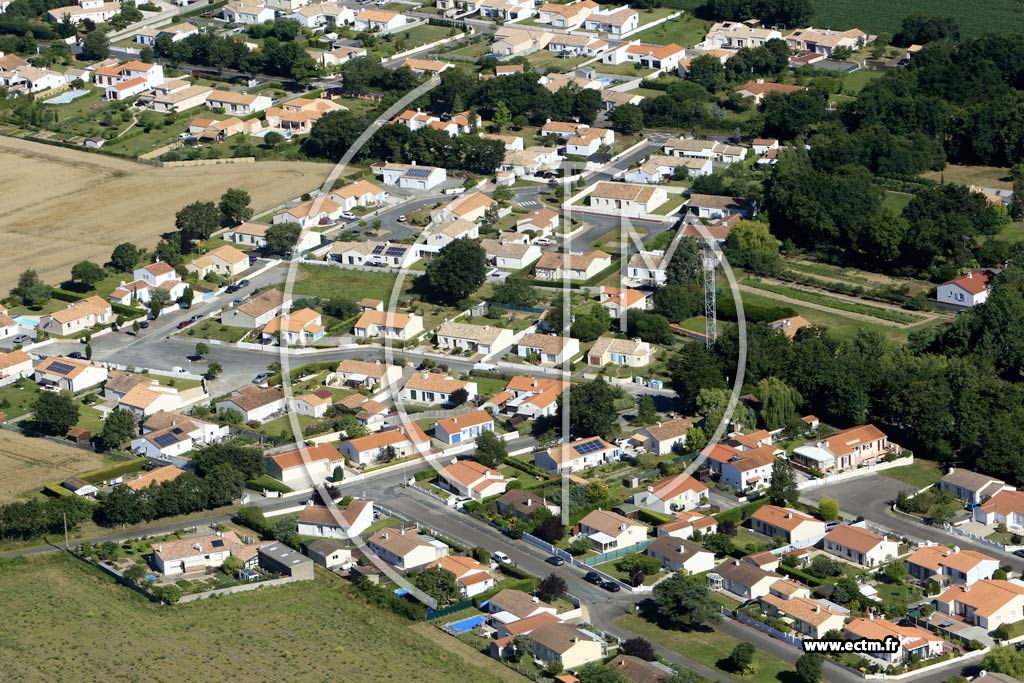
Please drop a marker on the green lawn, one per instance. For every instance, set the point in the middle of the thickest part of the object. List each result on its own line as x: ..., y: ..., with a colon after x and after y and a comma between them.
x: 546, y: 60
x: 610, y: 569
x: 320, y: 630
x: 326, y: 281
x: 624, y: 69
x: 671, y: 206
x: 280, y: 425
x: 649, y: 16
x: 896, y: 201
x: 920, y: 474
x: 685, y: 31
x: 17, y: 399
x: 1013, y: 232
x: 211, y: 329
x: 89, y: 418
x: 487, y: 386
x: 709, y: 648
x: 855, y: 81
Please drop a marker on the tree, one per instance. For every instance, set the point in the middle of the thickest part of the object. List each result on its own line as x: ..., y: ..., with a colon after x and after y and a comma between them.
x: 202, y: 348
x: 741, y: 659
x: 118, y: 429
x: 712, y: 404
x: 158, y: 299
x: 627, y: 119
x: 32, y: 291
x: 124, y: 257
x: 550, y: 528
x: 213, y: 370
x: 638, y: 647
x: 232, y: 565
x: 696, y: 439
x: 780, y: 403
x: 782, y: 488
x: 95, y: 46
x: 282, y: 238
x: 678, y: 302
x: 273, y: 139
x: 491, y: 450
x: 685, y: 266
x: 551, y: 587
x: 457, y: 271
x: 170, y: 594
x: 88, y: 351
x: 87, y: 273
x: 54, y: 413
x: 751, y: 245
x: 1005, y: 660
x: 895, y: 571
x: 520, y: 646
x: 438, y: 583
x: 708, y: 71
x: 921, y: 29
x: 502, y: 118
x: 809, y: 667
x: 234, y: 206
x: 828, y: 509
x: 1017, y: 201
x: 196, y: 221
x: 514, y: 292
x: 592, y: 409
x: 646, y: 413
x: 720, y: 543
x: 595, y: 672
x: 684, y: 603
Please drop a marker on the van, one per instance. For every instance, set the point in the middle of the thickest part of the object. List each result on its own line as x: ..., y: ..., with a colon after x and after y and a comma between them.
x: 500, y: 557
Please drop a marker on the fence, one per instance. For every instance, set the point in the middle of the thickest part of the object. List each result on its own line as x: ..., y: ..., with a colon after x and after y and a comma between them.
x: 434, y: 615
x: 795, y: 641
x: 854, y: 474
x: 547, y: 547
x: 447, y: 501
x: 617, y: 553
x: 192, y: 597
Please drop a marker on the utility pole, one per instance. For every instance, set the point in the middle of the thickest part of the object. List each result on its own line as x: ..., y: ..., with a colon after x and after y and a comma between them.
x: 66, y: 547
x: 710, y: 301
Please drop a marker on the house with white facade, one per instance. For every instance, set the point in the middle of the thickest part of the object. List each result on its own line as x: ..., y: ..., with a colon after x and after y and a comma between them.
x: 394, y: 326
x: 679, y: 492
x: 967, y: 290
x: 973, y: 488
x: 793, y: 526
x: 547, y: 348
x: 483, y: 339
x: 305, y: 466
x: 470, y: 479
x: 67, y: 374
x: 665, y: 437
x: 944, y: 565
x: 860, y: 545
x: 463, y: 427
x: 333, y: 522
x: 406, y: 549
x: 627, y: 198
x: 577, y: 455
x: 1006, y: 507
x: 436, y: 388
x: 411, y: 176
x: 988, y: 603
x: 608, y: 530
x: 632, y: 353
x: 678, y: 555
x: 256, y: 404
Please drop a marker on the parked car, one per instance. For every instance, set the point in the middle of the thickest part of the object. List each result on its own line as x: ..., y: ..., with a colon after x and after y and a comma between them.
x: 143, y: 324
x: 22, y: 339
x: 555, y: 560
x: 78, y: 355
x: 349, y: 216
x: 262, y: 377
x: 196, y: 317
x: 594, y: 578
x: 244, y: 282
x: 232, y: 289
x: 183, y: 324
x: 543, y: 241
x: 611, y: 586
x: 401, y: 219
x: 501, y: 557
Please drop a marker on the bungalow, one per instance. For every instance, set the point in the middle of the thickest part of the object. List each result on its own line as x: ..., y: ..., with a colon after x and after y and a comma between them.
x: 860, y: 545
x: 589, y: 141
x: 966, y: 291
x: 745, y: 579
x: 523, y: 504
x: 325, y: 522
x: 393, y: 326
x: 328, y: 553
x: 660, y: 167
x: 735, y: 35
x: 915, y: 642
x: 988, y: 603
x: 614, y: 98
x: 315, y: 404
x: 468, y: 207
x: 972, y: 487
x: 14, y: 366
x: 378, y: 21
x: 665, y: 437
x: 749, y: 470
x: 257, y: 311
x: 311, y: 213
x: 298, y: 116
x: 406, y: 549
x: 168, y: 444
x: 200, y: 431
x: 398, y: 442
x: 568, y: 16
x: 793, y: 526
x: 360, y: 374
x: 200, y: 553
x: 470, y: 479
x: 672, y: 494
x: 759, y: 89
x: 239, y: 104
x: 341, y: 55
x: 256, y: 404
x: 944, y: 565
x: 530, y: 397
x: 762, y: 146
x: 297, y: 328
x: 811, y: 618
x: 8, y: 326
x: 844, y: 450
x: 542, y: 221
x: 255, y: 235
x: 359, y: 193
x: 609, y: 530
x: 484, y: 339
x: 463, y: 427
x: 510, y: 605
x: 472, y: 577
x: 631, y: 200
x: 320, y: 14
x: 440, y: 235
x: 709, y: 206
x: 577, y: 45
x: 689, y: 148
x: 389, y: 254
x: 1006, y: 507
x: 686, y: 524
x: 510, y: 255
x: 678, y: 555
x: 77, y: 316
x: 368, y: 412
x: 824, y: 41
x: 511, y: 142
x: 512, y: 41
x: 616, y: 21
x: 547, y: 348
x: 68, y: 374
x: 225, y: 261
x: 529, y: 161
x: 430, y: 67
x: 32, y: 79
x: 305, y: 466
x: 647, y: 268
x: 95, y: 11
x: 631, y: 353
x: 431, y: 387
x: 617, y: 300
x: 662, y: 57
x: 247, y: 12
x: 145, y: 399
x: 577, y: 455
x: 565, y: 644
x: 571, y: 266
x: 412, y: 177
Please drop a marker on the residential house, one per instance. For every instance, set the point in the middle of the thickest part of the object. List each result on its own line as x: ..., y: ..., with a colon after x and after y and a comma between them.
x: 255, y: 235
x: 360, y: 374
x: 529, y: 161
x: 436, y: 388
x: 542, y: 221
x: 368, y: 412
x: 471, y: 206
x: 547, y: 348
x: 736, y: 35
x: 758, y: 89
x: 78, y: 316
x: 611, y: 99
x: 430, y: 67
x: 440, y: 235
x: 708, y: 206
x: 860, y: 545
x: 67, y: 374
x: 618, y: 299
x: 665, y: 437
x: 14, y: 366
x: 411, y: 176
x: 470, y: 479
x: 720, y: 152
x: 389, y: 254
x: 749, y: 470
x: 972, y: 487
x: 341, y: 55
x: 8, y: 326
x: 510, y: 605
x: 672, y: 494
x: 145, y: 399
x: 565, y: 644
x: 96, y: 11
x: 957, y: 566
x: 844, y: 450
x: 483, y: 339
x: 321, y: 14
x: 406, y: 549
x: 647, y: 268
x: 225, y: 261
x: 678, y: 555
x: 825, y: 41
x: 326, y: 522
x: 311, y: 213
x: 572, y: 45
x: 236, y: 103
x: 201, y: 553
x: 567, y: 16
x: 631, y: 353
x: 966, y: 291
x: 378, y: 21
x: 660, y: 57
x: 686, y: 523
x: 915, y: 642
x: 328, y: 553
x: 511, y: 142
x: 530, y: 397
x: 359, y: 193
x: 256, y: 404
x: 257, y: 311
x: 659, y: 168
x: 523, y: 504
x: 793, y: 526
x: 512, y: 41
x: 296, y: 328
x: 472, y: 577
x: 808, y: 617
x: 153, y: 477
x: 169, y: 444
x: 616, y: 21
x: 987, y: 603
x: 627, y: 198
x: 176, y: 32
x: 463, y: 427
x: 283, y: 560
x: 577, y: 455
x: 571, y: 266
x: 510, y: 255
x: 589, y: 141
x: 199, y: 431
x: 305, y: 466
x: 394, y: 326
x: 744, y: 579
x: 314, y: 404
x: 247, y: 12
x: 608, y: 530
x: 762, y: 146
x: 1006, y: 507
x: 790, y: 326
x: 397, y: 442
x: 298, y: 116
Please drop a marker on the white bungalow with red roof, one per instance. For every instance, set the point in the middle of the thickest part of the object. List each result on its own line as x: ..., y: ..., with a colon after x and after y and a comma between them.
x: 860, y: 545
x: 464, y: 427
x: 679, y: 492
x: 128, y: 79
x: 302, y: 467
x: 472, y: 577
x: 343, y: 523
x: 792, y: 525
x: 472, y: 480
x: 966, y: 291
x: 845, y: 450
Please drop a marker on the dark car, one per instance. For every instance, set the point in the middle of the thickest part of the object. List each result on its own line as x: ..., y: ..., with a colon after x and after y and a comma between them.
x: 611, y: 586
x: 232, y: 289
x: 594, y: 578
x: 143, y: 324
x: 183, y: 324
x: 1019, y: 553
x: 555, y: 560
x: 196, y: 317
x: 243, y: 283
x: 77, y: 355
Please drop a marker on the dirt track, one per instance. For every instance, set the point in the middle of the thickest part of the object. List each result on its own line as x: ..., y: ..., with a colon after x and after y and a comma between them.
x: 61, y: 206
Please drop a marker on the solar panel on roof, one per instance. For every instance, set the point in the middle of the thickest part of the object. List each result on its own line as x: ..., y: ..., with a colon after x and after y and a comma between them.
x: 218, y: 543
x: 418, y: 173
x: 166, y: 440
x: 61, y: 368
x: 587, y: 447
x: 378, y: 249
x: 395, y: 251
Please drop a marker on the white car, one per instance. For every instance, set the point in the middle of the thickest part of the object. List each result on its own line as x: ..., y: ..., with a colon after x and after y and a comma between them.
x: 348, y: 216
x: 500, y: 557
x: 543, y: 241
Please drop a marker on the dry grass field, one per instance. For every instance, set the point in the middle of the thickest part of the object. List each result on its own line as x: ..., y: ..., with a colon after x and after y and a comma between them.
x: 61, y: 206
x: 27, y: 464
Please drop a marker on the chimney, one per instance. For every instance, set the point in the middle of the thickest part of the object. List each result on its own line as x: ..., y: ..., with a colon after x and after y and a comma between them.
x: 650, y: 489
x: 788, y: 515
x: 529, y: 502
x: 425, y: 375
x: 956, y: 549
x: 816, y: 609
x: 198, y: 546
x: 535, y: 598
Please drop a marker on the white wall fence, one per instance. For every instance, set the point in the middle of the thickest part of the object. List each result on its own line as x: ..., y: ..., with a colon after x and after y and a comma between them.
x: 854, y: 474
x: 748, y: 620
x: 981, y: 539
x: 245, y: 587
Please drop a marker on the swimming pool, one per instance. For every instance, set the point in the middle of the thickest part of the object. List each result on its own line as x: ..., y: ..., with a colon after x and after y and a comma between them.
x: 25, y: 321
x: 66, y: 97
x: 465, y: 624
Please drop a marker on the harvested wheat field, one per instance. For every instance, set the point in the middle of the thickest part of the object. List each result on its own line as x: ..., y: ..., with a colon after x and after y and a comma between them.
x: 28, y: 464
x: 61, y: 206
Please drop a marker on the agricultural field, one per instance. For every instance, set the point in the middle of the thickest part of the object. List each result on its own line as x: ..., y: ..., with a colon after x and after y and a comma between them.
x: 62, y: 206
x: 874, y: 16
x: 64, y: 613
x: 986, y: 176
x: 27, y: 464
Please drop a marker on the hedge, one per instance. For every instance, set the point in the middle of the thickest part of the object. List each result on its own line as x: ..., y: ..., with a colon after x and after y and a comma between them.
x: 527, y: 467
x: 653, y: 518
x: 515, y: 572
x: 754, y: 313
x: 56, y: 489
x: 265, y: 481
x: 794, y: 573
x: 113, y: 471
x: 742, y: 512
